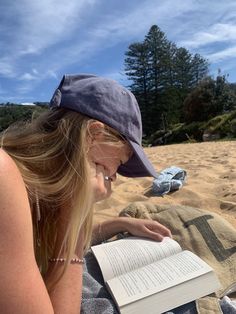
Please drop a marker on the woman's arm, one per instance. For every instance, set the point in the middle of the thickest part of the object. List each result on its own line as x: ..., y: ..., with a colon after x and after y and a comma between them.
x: 137, y: 227
x: 22, y: 289
x: 66, y: 295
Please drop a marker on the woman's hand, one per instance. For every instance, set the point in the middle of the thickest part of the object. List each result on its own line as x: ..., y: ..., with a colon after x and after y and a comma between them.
x: 137, y: 227
x: 101, y: 187
x: 145, y: 228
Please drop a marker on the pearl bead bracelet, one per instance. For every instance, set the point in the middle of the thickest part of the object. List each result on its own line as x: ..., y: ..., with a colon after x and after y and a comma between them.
x: 74, y: 260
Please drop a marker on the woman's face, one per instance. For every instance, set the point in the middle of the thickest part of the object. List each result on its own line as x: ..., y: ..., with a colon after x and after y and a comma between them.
x: 104, y: 159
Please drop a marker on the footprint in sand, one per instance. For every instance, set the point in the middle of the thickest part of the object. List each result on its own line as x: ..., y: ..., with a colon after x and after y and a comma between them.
x: 230, y: 207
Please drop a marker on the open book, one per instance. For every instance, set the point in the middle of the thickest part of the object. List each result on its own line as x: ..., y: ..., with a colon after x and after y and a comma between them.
x: 145, y: 276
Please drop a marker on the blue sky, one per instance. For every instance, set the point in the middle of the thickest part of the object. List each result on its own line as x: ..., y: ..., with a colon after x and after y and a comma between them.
x: 42, y: 40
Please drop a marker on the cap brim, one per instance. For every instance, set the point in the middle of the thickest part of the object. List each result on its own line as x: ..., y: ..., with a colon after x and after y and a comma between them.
x: 138, y: 165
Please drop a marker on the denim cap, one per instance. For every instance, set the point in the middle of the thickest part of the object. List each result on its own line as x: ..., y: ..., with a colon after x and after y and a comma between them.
x: 105, y: 100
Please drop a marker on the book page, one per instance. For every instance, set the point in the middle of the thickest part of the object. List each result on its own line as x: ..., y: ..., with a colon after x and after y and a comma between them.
x: 157, y: 276
x: 121, y: 256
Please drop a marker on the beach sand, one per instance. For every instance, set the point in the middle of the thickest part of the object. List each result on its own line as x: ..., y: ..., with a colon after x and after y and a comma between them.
x: 210, y: 184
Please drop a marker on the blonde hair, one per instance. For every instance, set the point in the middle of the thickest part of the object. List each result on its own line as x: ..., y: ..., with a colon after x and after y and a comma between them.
x: 51, y: 154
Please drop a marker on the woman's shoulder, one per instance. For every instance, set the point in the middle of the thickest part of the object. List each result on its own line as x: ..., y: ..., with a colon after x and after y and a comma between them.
x: 6, y: 160
x: 8, y: 167
x: 15, y: 213
x: 20, y: 282
x: 12, y: 186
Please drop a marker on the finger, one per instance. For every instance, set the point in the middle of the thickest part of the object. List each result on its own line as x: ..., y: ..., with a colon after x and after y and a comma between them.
x: 100, y: 170
x: 158, y: 227
x: 102, y: 189
x: 100, y: 174
x: 154, y: 235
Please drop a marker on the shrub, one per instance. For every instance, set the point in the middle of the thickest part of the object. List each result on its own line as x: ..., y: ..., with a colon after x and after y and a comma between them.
x: 233, y: 127
x: 186, y: 132
x: 220, y: 124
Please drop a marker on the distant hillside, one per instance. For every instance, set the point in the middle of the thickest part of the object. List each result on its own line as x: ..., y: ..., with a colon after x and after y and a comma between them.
x: 11, y: 113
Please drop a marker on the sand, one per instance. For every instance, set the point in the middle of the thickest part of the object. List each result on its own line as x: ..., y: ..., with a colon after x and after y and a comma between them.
x: 210, y: 184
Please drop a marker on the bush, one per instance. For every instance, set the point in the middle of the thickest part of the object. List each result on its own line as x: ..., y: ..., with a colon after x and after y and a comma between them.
x: 220, y: 124
x: 233, y: 127
x: 186, y: 132
x: 10, y: 114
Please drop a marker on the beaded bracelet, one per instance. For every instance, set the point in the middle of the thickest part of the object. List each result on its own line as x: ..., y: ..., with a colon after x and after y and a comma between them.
x: 74, y: 260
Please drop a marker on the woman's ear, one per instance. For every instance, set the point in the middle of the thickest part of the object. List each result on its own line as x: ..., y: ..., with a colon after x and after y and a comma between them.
x: 95, y: 131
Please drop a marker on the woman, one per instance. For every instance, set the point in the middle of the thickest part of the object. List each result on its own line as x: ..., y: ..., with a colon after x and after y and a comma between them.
x: 51, y: 172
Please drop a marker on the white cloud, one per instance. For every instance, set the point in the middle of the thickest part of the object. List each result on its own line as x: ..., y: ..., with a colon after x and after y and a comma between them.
x: 41, y: 24
x: 216, y: 33
x: 115, y: 28
x: 6, y: 68
x: 34, y: 71
x: 51, y: 73
x: 138, y: 21
x: 43, y: 38
x: 223, y: 54
x: 28, y: 77
x: 48, y: 22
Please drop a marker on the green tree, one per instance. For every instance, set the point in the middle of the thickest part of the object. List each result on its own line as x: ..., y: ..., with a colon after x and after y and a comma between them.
x: 189, y: 71
x: 183, y: 69
x: 210, y: 98
x: 161, y: 76
x: 199, y: 69
x: 11, y: 113
x: 158, y: 69
x: 199, y: 105
x: 136, y: 67
x: 225, y: 97
x: 157, y: 46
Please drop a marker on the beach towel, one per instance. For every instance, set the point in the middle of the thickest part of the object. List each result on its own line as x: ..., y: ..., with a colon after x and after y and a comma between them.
x: 169, y: 179
x: 206, y: 234
x: 95, y: 297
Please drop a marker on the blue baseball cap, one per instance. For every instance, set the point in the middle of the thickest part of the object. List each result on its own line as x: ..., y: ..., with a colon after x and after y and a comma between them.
x: 107, y: 101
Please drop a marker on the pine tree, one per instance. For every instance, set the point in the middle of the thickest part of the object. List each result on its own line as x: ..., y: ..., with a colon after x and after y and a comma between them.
x: 158, y: 70
x: 199, y: 69
x: 162, y: 75
x: 225, y: 98
x: 136, y: 67
x: 157, y: 46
